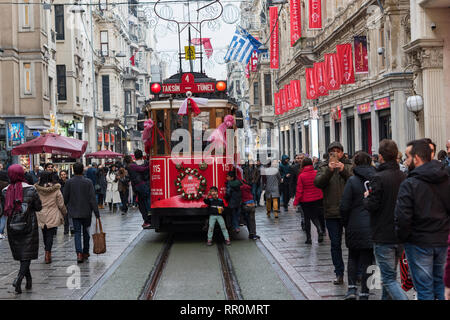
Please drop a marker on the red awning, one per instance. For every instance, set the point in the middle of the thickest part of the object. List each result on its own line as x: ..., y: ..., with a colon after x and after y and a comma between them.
x: 54, y: 144
x: 104, y: 154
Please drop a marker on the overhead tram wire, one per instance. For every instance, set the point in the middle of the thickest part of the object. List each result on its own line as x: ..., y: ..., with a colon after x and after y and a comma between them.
x: 112, y: 4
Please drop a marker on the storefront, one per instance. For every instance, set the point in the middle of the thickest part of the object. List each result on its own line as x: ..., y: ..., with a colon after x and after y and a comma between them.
x: 366, y: 126
x: 382, y: 108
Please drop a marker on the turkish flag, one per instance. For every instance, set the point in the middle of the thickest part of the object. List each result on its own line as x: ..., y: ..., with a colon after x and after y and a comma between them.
x: 274, y: 41
x: 315, y: 14
x: 345, y: 58
x: 319, y: 69
x: 296, y: 21
x: 311, y: 91
x: 295, y: 93
x: 332, y: 75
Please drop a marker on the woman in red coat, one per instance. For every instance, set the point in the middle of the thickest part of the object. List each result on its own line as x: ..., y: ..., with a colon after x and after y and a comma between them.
x: 310, y: 197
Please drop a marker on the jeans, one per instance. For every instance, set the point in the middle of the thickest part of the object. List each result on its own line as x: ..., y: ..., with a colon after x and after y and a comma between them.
x: 2, y: 224
x: 68, y: 223
x: 82, y: 224
x: 124, y: 199
x: 387, y: 257
x: 235, y: 217
x: 426, y: 265
x: 335, y: 229
x: 256, y: 191
x: 359, y: 259
x: 212, y: 222
x: 143, y: 193
x: 284, y: 188
x: 312, y: 210
x: 47, y: 235
x: 249, y: 216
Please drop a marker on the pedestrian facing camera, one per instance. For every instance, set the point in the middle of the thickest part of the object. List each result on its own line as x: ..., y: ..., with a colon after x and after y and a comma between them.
x: 380, y: 51
x: 433, y: 26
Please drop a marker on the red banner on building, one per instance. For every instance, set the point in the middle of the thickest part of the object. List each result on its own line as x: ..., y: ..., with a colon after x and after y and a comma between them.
x: 361, y: 59
x: 287, y: 89
x: 332, y: 80
x: 345, y: 58
x: 277, y: 103
x: 296, y: 93
x: 274, y: 41
x: 296, y: 21
x: 319, y: 69
x: 254, y: 62
x: 284, y: 105
x: 311, y: 92
x: 315, y: 14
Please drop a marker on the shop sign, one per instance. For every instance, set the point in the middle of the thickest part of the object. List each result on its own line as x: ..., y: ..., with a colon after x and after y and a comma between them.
x: 382, y: 103
x: 363, y: 108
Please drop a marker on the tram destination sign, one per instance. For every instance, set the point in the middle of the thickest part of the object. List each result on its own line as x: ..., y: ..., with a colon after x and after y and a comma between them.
x: 187, y: 83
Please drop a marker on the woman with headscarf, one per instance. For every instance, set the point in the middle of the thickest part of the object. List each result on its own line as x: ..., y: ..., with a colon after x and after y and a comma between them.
x: 20, y: 196
x: 112, y: 191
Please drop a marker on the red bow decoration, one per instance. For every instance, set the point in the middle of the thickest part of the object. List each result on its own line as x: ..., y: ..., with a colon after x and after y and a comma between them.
x: 193, y: 105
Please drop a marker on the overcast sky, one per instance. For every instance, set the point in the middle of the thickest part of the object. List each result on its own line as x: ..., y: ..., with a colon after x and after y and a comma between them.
x: 220, y: 36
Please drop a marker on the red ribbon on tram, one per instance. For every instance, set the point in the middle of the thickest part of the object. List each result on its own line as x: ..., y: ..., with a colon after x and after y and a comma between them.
x: 192, y: 103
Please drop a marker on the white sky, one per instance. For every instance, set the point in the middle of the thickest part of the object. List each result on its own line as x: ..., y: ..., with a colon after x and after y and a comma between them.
x: 220, y: 39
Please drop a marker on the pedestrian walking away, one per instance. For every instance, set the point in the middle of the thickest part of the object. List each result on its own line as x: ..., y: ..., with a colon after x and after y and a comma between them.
x: 4, y: 181
x: 295, y: 170
x: 101, y: 187
x: 285, y: 181
x: 79, y: 198
x: 140, y: 177
x: 216, y: 209
x: 234, y: 197
x: 356, y: 220
x: 271, y: 179
x: 124, y: 186
x: 423, y: 220
x: 331, y: 178
x: 248, y: 210
x: 53, y: 210
x: 21, y: 201
x: 380, y: 203
x: 310, y: 198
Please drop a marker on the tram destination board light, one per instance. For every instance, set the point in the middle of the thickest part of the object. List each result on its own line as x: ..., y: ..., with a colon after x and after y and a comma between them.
x: 221, y: 86
x: 155, y: 88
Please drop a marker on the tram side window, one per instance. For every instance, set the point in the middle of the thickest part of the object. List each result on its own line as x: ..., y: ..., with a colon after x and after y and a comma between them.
x: 220, y: 115
x: 160, y: 144
x: 199, y: 126
x: 177, y: 122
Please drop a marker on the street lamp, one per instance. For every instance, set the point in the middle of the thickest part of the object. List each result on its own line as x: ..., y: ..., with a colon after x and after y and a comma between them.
x: 414, y: 104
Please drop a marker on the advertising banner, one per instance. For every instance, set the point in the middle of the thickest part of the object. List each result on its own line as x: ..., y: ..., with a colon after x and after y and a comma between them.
x: 311, y: 92
x: 284, y: 105
x: 274, y: 41
x: 15, y: 133
x: 319, y: 69
x: 277, y: 103
x: 382, y: 103
x: 315, y: 14
x: 287, y: 89
x: 363, y: 108
x: 347, y: 72
x: 361, y: 59
x: 296, y: 21
x: 332, y: 80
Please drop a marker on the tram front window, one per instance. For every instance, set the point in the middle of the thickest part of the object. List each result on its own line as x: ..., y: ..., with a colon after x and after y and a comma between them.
x: 178, y: 122
x: 160, y: 143
x: 199, y: 126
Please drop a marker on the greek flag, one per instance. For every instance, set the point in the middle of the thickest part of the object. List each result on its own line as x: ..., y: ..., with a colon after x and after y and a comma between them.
x: 242, y: 46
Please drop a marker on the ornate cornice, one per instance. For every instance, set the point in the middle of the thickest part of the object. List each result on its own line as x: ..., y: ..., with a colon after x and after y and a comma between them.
x: 428, y: 53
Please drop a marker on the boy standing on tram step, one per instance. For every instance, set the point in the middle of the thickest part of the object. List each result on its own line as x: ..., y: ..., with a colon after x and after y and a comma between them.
x: 216, y: 208
x: 234, y: 198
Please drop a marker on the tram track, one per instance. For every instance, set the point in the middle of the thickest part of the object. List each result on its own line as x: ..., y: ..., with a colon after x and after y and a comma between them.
x: 229, y: 280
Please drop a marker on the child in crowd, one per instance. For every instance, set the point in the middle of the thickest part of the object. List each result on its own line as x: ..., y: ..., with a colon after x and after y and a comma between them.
x: 216, y: 208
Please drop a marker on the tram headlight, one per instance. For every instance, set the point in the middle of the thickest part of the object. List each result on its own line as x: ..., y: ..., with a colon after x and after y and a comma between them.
x: 155, y: 88
x: 221, y: 86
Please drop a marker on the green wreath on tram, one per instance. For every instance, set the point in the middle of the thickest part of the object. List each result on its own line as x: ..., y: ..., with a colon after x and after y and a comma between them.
x: 184, y: 172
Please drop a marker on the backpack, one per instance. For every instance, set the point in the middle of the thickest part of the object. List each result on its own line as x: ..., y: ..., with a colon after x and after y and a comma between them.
x: 20, y: 221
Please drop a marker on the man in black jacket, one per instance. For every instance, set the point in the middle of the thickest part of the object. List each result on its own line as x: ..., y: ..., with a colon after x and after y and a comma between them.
x: 423, y: 219
x: 294, y: 170
x: 79, y: 198
x: 380, y: 203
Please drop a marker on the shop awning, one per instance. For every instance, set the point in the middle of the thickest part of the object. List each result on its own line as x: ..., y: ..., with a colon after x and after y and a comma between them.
x: 104, y: 154
x: 52, y: 143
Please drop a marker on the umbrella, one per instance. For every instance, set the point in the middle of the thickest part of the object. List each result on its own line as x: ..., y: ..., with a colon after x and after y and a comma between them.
x: 104, y: 154
x: 52, y: 143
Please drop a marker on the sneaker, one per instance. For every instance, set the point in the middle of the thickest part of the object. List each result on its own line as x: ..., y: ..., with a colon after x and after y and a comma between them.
x: 351, y: 294
x: 228, y: 242
x: 339, y: 280
x: 364, y: 296
x: 2, y: 236
x: 146, y: 225
x: 209, y: 243
x: 254, y: 237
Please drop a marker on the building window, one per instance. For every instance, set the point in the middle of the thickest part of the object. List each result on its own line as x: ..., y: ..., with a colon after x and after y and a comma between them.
x: 61, y: 82
x: 128, y: 102
x: 238, y: 88
x: 59, y: 21
x: 27, y: 14
x: 105, y: 91
x: 104, y: 43
x: 267, y: 89
x: 27, y: 78
x: 351, y: 136
x: 382, y: 45
x: 256, y: 93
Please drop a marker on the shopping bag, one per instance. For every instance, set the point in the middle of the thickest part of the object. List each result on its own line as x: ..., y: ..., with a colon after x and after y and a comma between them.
x: 99, y: 238
x: 262, y: 201
x: 405, y: 276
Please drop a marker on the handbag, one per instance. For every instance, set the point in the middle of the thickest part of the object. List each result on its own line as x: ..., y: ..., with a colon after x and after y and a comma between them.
x: 20, y: 222
x: 99, y: 238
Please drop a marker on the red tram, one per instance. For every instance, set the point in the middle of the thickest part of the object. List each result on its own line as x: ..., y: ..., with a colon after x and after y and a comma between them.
x: 180, y: 181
